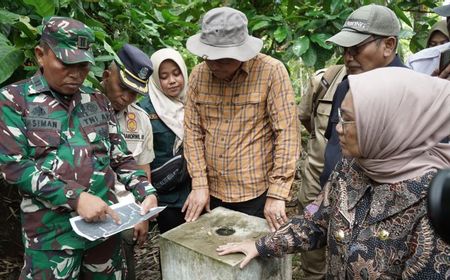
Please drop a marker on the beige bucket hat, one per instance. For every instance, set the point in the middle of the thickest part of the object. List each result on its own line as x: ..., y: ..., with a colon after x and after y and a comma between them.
x: 224, y: 34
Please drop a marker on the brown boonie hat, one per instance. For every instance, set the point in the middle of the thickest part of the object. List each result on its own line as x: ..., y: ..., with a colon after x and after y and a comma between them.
x: 364, y: 22
x: 224, y: 34
x: 69, y: 39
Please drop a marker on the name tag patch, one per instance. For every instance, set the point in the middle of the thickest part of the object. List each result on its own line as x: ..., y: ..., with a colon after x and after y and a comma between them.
x: 42, y: 123
x: 96, y: 119
x: 133, y: 136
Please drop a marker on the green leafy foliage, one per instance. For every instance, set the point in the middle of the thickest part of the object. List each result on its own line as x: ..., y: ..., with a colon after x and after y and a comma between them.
x: 10, y: 59
x: 42, y: 7
x: 294, y: 31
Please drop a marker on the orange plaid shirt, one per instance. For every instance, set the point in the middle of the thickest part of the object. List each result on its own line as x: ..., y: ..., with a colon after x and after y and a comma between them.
x: 242, y: 137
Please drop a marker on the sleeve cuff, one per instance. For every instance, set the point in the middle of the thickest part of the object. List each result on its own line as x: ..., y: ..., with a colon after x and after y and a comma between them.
x: 143, y: 190
x: 262, y: 249
x: 72, y: 192
x: 199, y: 183
x: 279, y: 192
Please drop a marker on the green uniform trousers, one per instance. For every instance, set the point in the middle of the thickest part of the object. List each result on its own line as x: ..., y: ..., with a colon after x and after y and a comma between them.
x: 104, y: 261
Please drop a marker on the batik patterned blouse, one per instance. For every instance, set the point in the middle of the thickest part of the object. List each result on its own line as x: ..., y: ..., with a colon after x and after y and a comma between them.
x: 371, y: 230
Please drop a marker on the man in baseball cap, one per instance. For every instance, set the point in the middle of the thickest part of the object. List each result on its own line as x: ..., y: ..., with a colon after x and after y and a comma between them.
x: 123, y: 81
x: 367, y: 40
x: 241, y: 138
x: 61, y: 147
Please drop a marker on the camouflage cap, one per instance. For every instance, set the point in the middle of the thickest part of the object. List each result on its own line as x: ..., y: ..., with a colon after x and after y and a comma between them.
x: 69, y: 39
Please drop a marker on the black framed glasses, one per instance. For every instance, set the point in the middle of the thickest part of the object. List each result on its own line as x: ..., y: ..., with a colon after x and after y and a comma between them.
x: 355, y: 50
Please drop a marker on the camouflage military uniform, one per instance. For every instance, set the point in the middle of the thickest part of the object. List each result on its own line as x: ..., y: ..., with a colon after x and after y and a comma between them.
x: 53, y: 153
x: 54, y: 148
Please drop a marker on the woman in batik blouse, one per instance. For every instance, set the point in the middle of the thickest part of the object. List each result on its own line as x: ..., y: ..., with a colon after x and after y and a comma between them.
x: 372, y: 214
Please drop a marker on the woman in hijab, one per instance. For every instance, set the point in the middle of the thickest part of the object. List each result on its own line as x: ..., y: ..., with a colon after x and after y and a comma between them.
x: 438, y: 34
x: 165, y: 106
x: 371, y: 215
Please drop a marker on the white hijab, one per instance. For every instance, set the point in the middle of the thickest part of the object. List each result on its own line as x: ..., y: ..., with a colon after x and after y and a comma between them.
x: 169, y: 109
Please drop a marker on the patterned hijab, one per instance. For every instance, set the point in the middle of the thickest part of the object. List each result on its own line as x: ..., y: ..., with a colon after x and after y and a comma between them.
x: 169, y: 109
x: 401, y: 116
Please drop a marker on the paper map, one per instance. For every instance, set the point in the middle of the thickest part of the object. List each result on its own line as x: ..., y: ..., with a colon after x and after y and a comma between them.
x: 129, y: 213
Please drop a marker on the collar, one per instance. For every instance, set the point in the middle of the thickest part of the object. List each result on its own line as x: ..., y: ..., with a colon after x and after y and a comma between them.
x: 390, y: 199
x: 247, y: 65
x: 387, y: 199
x: 124, y: 111
x: 244, y: 70
x: 38, y: 84
x: 396, y: 62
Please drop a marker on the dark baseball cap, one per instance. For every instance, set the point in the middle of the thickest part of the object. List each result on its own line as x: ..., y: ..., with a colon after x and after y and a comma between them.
x: 135, y: 68
x: 364, y: 22
x: 69, y: 39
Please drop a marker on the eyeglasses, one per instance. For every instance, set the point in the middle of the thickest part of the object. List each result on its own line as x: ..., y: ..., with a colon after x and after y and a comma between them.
x: 341, y: 120
x: 355, y: 50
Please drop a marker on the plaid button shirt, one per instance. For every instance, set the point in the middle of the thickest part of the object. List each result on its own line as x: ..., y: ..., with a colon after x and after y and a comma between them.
x: 242, y: 137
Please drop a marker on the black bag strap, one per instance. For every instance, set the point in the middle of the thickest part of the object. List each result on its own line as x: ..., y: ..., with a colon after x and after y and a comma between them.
x: 325, y: 82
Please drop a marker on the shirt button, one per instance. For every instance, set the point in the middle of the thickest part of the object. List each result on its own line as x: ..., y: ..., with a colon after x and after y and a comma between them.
x: 222, y: 139
x: 339, y: 235
x: 227, y: 121
x: 383, y: 234
x: 220, y: 156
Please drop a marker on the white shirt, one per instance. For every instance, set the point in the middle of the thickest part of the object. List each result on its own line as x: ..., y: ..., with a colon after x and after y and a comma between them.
x: 137, y: 130
x: 427, y: 60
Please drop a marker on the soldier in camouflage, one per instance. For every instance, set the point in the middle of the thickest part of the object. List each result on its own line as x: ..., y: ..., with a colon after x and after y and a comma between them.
x: 61, y: 146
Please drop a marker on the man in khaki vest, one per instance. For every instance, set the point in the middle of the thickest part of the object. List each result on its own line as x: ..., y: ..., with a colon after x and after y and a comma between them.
x: 314, y: 111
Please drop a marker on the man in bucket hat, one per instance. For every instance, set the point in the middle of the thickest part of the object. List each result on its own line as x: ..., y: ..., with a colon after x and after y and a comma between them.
x: 427, y: 61
x: 242, y: 137
x: 61, y: 146
x: 123, y: 81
